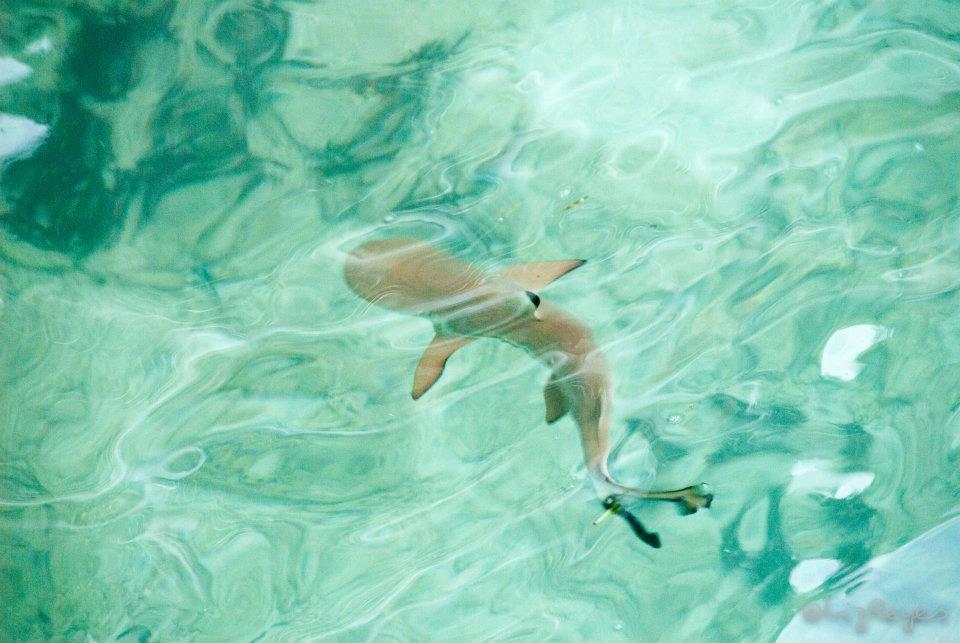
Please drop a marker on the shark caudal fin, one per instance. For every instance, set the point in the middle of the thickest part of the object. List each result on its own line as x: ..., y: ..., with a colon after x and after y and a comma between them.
x: 539, y: 274
x: 433, y: 360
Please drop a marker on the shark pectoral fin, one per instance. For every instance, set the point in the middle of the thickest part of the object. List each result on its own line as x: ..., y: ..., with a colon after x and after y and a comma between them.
x: 433, y: 360
x: 534, y: 276
x: 553, y: 398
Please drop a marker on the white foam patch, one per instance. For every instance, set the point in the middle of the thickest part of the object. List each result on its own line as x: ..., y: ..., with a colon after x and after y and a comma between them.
x: 19, y: 136
x: 12, y: 70
x: 40, y: 46
x: 817, y: 476
x: 839, y: 358
x: 853, y: 484
x: 810, y: 574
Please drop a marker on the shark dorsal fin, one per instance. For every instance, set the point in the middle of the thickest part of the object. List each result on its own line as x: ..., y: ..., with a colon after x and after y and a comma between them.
x: 433, y: 360
x: 536, y: 275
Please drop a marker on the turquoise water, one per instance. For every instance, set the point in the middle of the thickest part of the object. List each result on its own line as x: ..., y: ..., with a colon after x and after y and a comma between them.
x: 207, y: 436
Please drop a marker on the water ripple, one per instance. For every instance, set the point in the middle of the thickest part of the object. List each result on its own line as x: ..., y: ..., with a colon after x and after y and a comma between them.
x: 204, y: 434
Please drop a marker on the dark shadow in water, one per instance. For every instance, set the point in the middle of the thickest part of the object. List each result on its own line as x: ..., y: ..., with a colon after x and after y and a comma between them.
x: 104, y: 54
x: 768, y: 570
x: 198, y: 135
x: 404, y: 93
x: 753, y: 429
x: 856, y: 443
x: 67, y: 196
x: 57, y: 199
x: 64, y: 196
x: 859, y: 526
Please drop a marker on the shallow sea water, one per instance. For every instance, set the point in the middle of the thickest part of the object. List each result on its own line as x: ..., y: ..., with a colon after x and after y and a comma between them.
x: 205, y: 435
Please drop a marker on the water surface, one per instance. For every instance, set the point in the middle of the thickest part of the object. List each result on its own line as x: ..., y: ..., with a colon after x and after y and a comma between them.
x: 204, y: 434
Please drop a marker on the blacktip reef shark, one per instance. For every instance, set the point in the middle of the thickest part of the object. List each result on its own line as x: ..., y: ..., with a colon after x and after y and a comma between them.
x: 464, y: 304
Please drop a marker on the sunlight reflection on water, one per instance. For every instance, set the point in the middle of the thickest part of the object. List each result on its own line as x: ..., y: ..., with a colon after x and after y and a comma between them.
x: 207, y: 436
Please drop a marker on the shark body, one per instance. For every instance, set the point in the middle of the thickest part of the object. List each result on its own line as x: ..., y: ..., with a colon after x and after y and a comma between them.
x: 464, y: 304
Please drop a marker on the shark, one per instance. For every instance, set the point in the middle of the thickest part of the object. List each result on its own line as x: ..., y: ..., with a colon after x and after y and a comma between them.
x: 465, y: 303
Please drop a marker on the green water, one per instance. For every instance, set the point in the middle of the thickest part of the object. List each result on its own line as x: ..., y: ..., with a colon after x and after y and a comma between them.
x: 205, y: 435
